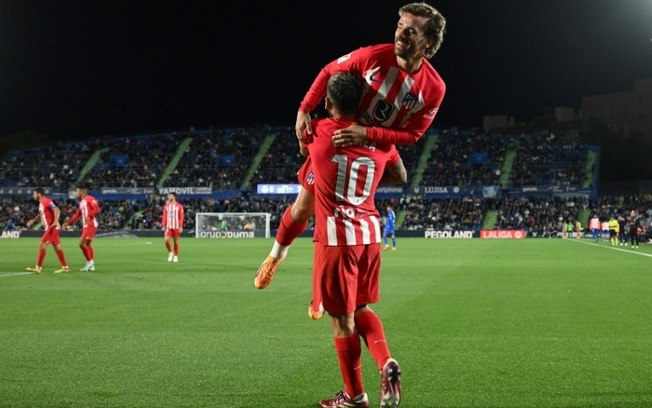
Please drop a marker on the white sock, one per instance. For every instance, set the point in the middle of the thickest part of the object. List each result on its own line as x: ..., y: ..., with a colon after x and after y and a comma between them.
x: 279, y: 251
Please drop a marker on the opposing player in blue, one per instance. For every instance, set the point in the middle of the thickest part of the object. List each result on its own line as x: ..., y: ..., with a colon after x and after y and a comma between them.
x: 389, y: 229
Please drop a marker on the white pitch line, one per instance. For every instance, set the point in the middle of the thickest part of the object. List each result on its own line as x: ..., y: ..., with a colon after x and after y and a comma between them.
x: 5, y: 274
x: 629, y: 251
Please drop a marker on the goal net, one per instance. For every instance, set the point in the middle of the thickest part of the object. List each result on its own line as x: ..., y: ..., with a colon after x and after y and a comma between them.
x: 232, y: 225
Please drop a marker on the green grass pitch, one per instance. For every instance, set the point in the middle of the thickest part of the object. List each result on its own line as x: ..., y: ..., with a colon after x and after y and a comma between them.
x: 474, y: 323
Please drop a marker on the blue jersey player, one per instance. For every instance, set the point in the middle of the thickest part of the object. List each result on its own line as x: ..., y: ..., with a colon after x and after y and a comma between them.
x: 389, y: 229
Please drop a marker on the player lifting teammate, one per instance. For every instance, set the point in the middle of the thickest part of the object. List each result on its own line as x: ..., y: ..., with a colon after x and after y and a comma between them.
x: 401, y: 99
x: 49, y: 215
x: 88, y: 209
x: 346, y: 268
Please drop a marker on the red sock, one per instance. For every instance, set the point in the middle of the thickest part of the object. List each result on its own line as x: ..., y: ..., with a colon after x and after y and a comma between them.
x: 372, y: 332
x: 168, y: 246
x: 41, y: 257
x: 176, y: 248
x: 62, y: 258
x: 91, y: 253
x: 289, y: 228
x: 85, y: 252
x: 349, y: 353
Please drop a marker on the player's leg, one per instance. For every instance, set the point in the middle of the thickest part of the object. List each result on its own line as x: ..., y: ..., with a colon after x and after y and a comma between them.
x: 370, y: 327
x: 385, y: 233
x: 175, y: 258
x: 41, y: 254
x: 56, y: 244
x: 85, y: 243
x: 293, y: 223
x: 393, y: 240
x: 168, y: 246
x: 338, y: 278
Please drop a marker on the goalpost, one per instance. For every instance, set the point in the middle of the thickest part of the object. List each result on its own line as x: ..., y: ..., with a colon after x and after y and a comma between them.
x: 232, y: 225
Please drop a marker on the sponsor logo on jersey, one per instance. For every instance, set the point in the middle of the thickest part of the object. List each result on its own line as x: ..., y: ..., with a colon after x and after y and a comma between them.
x: 383, y: 110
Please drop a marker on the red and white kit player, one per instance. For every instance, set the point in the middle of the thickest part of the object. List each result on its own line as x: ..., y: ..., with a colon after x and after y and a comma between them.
x: 49, y: 214
x: 88, y: 210
x: 346, y: 270
x: 403, y: 94
x: 172, y: 225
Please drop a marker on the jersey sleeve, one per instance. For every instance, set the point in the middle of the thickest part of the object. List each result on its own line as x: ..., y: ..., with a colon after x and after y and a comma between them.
x: 415, y: 127
x: 181, y: 216
x: 75, y: 216
x: 351, y: 62
x: 394, y: 157
x: 93, y: 208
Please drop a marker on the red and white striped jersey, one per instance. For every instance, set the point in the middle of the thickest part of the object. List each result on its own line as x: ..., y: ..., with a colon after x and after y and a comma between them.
x: 46, y: 211
x: 172, y: 216
x: 345, y: 183
x: 88, y: 209
x: 400, y: 106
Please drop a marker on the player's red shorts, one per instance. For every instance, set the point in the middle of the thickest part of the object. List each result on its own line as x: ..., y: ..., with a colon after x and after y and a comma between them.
x: 89, y: 232
x: 345, y: 277
x: 306, y: 176
x: 172, y: 233
x: 51, y: 236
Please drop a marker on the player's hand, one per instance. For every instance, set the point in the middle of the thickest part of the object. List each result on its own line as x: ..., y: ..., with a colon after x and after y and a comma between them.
x: 55, y: 225
x: 303, y: 126
x: 180, y: 230
x: 29, y: 223
x: 354, y: 135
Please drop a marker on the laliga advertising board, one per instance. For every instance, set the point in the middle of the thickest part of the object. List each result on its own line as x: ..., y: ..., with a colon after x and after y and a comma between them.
x: 502, y: 234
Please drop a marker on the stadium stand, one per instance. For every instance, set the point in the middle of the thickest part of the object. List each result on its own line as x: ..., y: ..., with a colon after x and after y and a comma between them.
x: 223, y: 159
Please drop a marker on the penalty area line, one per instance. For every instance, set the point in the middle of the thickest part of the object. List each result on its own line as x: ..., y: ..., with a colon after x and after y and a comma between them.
x: 5, y: 274
x: 628, y: 251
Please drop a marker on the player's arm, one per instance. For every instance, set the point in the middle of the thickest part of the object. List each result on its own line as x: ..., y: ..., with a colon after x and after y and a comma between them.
x: 413, y: 130
x: 164, y: 219
x: 33, y: 220
x: 181, y: 218
x: 57, y: 214
x: 73, y: 218
x: 395, y: 172
x: 317, y: 91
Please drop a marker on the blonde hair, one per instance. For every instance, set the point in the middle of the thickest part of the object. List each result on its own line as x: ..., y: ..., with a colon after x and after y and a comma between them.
x: 435, y: 26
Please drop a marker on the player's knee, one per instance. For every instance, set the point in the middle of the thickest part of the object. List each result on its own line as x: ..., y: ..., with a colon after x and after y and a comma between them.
x: 343, y: 325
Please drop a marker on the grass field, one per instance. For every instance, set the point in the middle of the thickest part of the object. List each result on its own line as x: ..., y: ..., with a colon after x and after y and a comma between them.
x: 474, y: 323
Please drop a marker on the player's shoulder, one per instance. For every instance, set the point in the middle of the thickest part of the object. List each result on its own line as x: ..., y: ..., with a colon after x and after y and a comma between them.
x: 370, y: 53
x: 432, y: 76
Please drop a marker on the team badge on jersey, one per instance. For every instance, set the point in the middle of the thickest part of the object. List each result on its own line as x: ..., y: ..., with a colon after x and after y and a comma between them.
x: 310, y: 178
x: 409, y: 101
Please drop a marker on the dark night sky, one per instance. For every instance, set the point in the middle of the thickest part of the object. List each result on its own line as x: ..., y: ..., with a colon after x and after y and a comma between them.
x: 80, y: 69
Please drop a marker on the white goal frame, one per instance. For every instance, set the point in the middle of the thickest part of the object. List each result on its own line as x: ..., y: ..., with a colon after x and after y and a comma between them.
x: 218, y: 232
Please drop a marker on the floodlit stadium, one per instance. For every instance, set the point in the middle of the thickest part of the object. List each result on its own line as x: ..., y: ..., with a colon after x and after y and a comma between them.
x: 375, y: 205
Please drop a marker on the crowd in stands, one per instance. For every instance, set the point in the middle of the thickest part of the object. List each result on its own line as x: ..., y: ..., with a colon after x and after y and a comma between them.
x: 469, y: 158
x: 544, y: 159
x: 218, y: 159
x: 539, y: 216
x: 55, y: 166
x: 447, y: 214
x: 282, y: 161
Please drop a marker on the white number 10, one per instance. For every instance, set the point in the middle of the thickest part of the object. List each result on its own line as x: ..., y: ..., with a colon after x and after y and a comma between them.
x: 350, y: 178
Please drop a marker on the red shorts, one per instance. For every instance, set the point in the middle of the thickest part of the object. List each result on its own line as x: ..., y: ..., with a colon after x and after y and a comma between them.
x: 306, y: 176
x: 172, y: 233
x: 345, y: 277
x: 51, y: 236
x: 89, y: 232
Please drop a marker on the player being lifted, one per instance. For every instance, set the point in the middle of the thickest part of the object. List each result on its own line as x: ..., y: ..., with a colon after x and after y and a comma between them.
x: 388, y: 231
x: 172, y: 225
x: 49, y: 215
x: 347, y: 238
x: 402, y: 96
x: 88, y: 209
